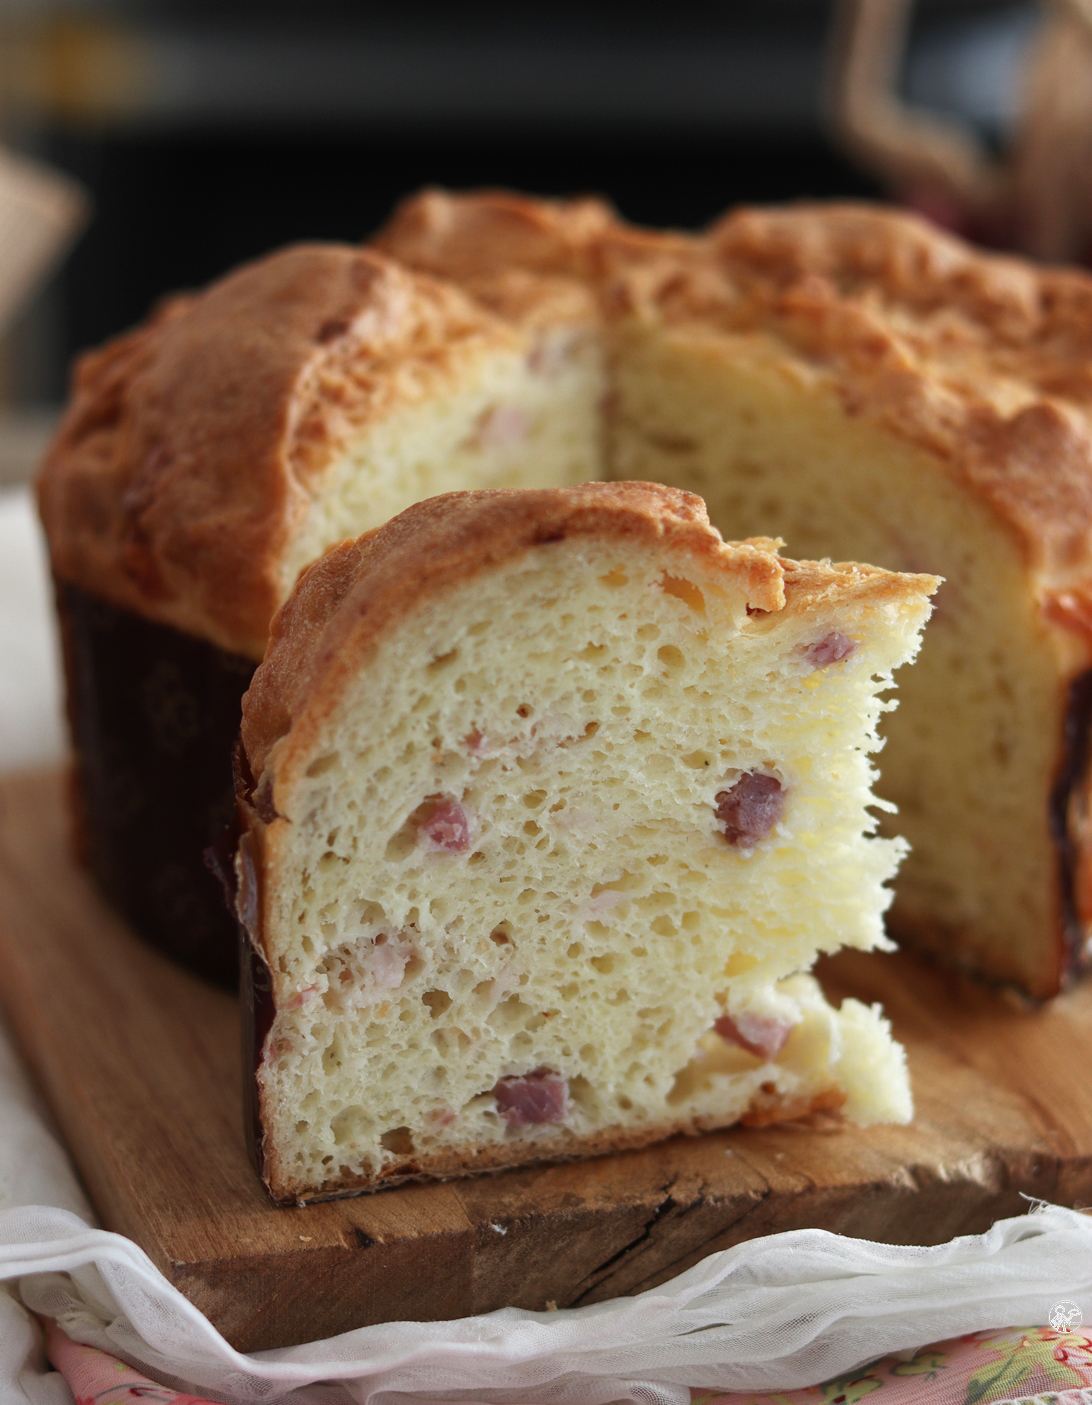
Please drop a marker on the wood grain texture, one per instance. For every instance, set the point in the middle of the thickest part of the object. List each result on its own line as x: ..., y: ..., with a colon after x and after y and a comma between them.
x: 140, y: 1063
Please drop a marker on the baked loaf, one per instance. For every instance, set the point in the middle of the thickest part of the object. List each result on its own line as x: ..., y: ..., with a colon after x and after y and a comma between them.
x: 844, y: 377
x: 549, y: 801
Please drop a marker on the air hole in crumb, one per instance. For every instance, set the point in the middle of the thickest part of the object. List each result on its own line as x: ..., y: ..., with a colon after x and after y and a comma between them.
x: 684, y: 590
x: 442, y: 660
x: 582, y: 1093
x: 615, y: 578
x: 398, y: 1140
x: 322, y: 764
x: 523, y: 710
x: 347, y: 1125
x: 697, y: 760
x: 501, y: 933
x: 670, y: 657
x: 437, y: 1001
x: 534, y: 799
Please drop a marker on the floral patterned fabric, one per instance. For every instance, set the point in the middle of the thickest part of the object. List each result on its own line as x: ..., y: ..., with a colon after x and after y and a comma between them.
x: 1016, y: 1363
x: 98, y: 1379
x: 1026, y: 1364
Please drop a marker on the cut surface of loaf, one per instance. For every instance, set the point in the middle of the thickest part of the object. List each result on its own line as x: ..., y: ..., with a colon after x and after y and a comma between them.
x: 554, y: 798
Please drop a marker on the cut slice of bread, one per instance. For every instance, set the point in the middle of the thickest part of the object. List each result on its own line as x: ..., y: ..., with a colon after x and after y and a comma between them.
x: 551, y: 799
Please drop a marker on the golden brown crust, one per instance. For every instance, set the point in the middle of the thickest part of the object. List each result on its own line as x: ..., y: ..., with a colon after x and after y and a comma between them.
x: 467, y: 237
x: 358, y: 590
x: 527, y: 260
x: 188, y: 453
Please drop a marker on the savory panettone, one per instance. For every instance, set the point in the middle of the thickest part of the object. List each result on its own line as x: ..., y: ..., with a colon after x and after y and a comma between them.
x: 549, y: 800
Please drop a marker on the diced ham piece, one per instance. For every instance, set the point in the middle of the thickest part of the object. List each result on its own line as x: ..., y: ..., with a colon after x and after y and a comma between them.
x: 533, y: 1098
x: 502, y: 427
x: 387, y: 964
x: 445, y: 827
x: 751, y: 808
x: 834, y: 647
x: 758, y: 1034
x: 602, y: 904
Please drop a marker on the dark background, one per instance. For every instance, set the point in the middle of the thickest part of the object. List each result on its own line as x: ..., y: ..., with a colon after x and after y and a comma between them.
x: 228, y: 128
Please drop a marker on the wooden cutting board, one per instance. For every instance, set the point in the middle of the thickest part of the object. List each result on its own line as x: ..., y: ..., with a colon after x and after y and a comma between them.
x: 140, y: 1063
